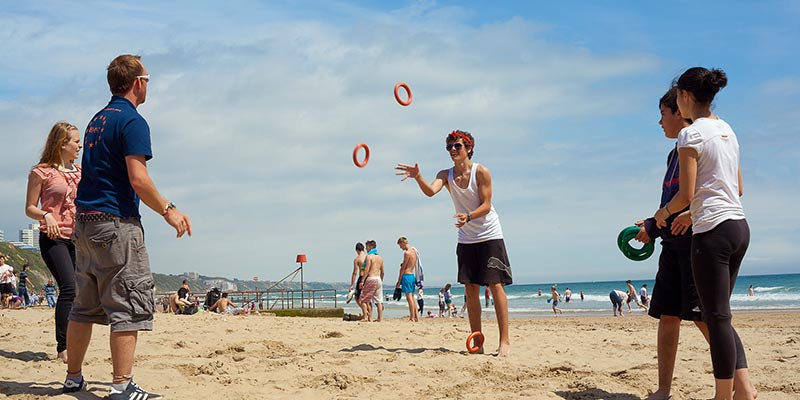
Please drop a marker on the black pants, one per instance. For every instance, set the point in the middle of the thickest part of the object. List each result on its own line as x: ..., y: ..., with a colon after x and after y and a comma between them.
x: 716, y: 257
x: 421, y: 304
x: 59, y: 255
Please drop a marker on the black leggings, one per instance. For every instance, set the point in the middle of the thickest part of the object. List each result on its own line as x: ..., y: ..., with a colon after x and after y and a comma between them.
x: 716, y: 257
x: 59, y: 255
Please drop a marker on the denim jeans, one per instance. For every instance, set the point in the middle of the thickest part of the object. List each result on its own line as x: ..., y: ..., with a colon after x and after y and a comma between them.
x: 51, y: 300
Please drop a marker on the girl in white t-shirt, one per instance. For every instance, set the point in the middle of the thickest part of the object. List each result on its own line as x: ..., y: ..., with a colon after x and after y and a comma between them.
x: 711, y: 183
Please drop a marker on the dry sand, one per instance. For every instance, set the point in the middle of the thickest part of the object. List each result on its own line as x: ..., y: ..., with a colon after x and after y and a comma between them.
x: 254, y: 357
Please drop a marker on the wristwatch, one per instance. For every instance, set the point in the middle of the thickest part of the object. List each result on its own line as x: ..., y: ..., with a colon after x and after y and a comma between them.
x: 169, y: 206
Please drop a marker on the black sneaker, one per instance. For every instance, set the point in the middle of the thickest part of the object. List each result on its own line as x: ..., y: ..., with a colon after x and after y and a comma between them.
x: 71, y: 386
x: 132, y: 392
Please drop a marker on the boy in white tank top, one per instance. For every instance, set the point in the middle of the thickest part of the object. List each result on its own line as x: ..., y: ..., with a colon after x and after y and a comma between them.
x: 482, y: 258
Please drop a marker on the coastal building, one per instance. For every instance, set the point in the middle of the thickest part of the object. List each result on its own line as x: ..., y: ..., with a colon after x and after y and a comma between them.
x: 30, y: 236
x: 191, y: 275
x: 2, y: 236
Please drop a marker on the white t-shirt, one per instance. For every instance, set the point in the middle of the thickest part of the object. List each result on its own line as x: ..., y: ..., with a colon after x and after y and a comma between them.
x: 643, y: 292
x: 716, y: 190
x: 6, y: 273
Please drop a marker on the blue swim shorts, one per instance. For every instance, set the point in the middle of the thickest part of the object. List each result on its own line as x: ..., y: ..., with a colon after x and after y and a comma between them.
x: 409, y: 283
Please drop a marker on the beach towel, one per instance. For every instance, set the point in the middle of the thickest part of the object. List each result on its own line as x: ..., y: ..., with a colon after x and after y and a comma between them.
x: 419, y: 274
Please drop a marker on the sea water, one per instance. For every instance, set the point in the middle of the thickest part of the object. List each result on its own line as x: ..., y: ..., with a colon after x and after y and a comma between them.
x: 772, y: 292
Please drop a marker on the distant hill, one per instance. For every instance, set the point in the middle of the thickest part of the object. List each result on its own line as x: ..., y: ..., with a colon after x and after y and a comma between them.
x: 39, y: 274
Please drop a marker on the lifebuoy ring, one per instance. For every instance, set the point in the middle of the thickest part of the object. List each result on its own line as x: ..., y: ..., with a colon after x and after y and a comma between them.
x: 397, y: 95
x: 361, y: 164
x: 477, y: 336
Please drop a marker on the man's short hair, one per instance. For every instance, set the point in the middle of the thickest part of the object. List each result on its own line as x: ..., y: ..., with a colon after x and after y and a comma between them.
x: 122, y: 72
x: 359, y: 246
x: 225, y: 294
x: 402, y: 240
x: 371, y: 243
x: 185, y: 282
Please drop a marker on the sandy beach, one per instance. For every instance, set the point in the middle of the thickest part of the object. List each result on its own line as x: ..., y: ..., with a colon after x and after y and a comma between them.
x: 246, y: 357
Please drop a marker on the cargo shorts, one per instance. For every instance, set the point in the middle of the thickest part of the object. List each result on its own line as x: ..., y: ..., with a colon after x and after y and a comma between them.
x: 113, y: 282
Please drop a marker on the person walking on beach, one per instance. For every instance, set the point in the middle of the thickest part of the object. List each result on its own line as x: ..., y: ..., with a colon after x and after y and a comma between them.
x: 448, y: 300
x: 420, y: 299
x: 441, y: 302
x: 116, y: 286
x: 50, y: 295
x: 674, y: 297
x: 643, y: 295
x: 406, y: 281
x: 711, y: 184
x: 372, y: 285
x: 357, y: 275
x: 554, y: 298
x: 618, y: 297
x: 23, y: 285
x: 481, y: 252
x: 633, y: 297
x: 50, y: 199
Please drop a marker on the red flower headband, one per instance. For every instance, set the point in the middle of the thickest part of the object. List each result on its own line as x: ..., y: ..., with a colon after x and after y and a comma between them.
x: 459, y: 134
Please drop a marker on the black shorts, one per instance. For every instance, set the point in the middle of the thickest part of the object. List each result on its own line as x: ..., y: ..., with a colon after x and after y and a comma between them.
x: 674, y: 293
x: 358, y: 288
x: 483, y: 263
x: 6, y: 288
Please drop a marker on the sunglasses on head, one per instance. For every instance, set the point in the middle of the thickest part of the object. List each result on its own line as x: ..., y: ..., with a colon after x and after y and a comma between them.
x: 457, y: 146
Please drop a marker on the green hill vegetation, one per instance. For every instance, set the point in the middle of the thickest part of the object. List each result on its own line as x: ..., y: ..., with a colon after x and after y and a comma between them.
x: 39, y: 274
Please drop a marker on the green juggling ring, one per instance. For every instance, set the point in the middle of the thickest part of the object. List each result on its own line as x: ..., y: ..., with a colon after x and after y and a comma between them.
x: 623, y: 241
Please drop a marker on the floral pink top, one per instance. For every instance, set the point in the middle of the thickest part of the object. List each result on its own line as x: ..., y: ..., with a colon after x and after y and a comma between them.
x: 57, y: 197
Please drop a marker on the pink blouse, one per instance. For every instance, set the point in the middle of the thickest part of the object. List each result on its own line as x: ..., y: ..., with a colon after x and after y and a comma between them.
x: 57, y: 197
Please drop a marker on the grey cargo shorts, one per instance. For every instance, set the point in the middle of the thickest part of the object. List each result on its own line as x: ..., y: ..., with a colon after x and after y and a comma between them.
x: 113, y: 282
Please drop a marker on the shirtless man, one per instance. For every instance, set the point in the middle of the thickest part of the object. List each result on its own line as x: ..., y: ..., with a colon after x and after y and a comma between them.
x: 407, y: 280
x: 358, y: 271
x: 225, y: 306
x: 372, y: 284
x: 633, y: 297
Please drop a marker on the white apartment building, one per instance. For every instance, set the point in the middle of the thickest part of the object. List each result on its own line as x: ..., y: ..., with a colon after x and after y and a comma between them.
x: 30, y: 236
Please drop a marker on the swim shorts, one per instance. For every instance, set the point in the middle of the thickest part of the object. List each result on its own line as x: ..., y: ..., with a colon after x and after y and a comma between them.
x: 408, y: 282
x: 483, y: 263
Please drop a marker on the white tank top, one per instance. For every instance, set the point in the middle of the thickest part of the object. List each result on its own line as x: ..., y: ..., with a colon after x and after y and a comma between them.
x: 466, y: 200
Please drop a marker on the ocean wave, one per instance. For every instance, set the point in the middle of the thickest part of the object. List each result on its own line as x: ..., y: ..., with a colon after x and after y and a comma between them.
x: 767, y: 289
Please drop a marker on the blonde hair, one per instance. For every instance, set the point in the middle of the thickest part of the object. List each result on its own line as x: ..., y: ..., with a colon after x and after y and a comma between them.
x: 58, y: 137
x: 402, y: 240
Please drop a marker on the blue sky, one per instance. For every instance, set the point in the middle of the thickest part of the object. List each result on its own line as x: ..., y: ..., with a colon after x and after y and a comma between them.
x: 255, y: 108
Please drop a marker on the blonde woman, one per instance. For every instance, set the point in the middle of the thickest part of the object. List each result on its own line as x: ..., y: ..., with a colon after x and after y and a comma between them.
x: 52, y: 187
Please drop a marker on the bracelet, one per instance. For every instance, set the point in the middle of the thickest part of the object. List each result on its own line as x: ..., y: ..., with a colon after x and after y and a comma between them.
x: 45, y: 214
x: 469, y: 217
x: 666, y: 208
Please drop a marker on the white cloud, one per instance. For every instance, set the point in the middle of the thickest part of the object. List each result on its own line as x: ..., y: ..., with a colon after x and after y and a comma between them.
x: 254, y: 121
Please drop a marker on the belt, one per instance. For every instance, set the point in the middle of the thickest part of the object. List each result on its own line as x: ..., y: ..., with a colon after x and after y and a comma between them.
x: 95, y: 217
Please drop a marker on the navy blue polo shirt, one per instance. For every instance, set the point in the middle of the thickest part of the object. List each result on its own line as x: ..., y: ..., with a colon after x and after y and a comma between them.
x: 114, y: 132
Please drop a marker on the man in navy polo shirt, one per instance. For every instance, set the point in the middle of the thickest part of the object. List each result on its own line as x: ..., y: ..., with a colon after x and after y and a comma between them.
x: 115, y: 286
